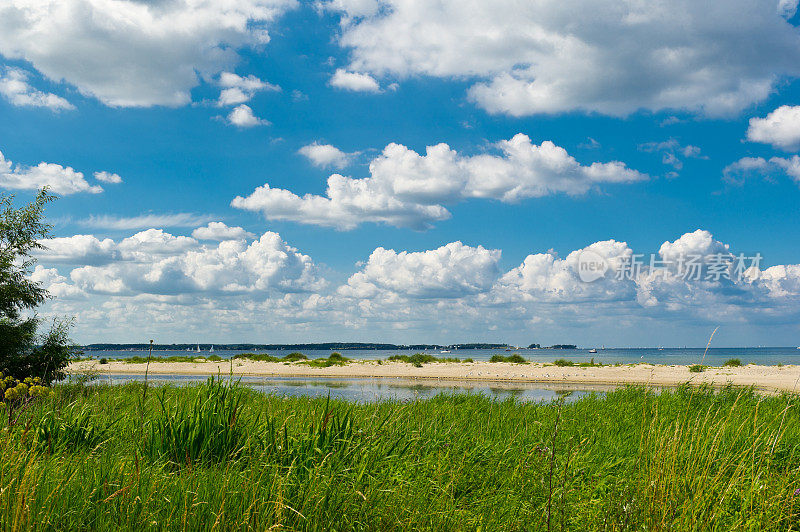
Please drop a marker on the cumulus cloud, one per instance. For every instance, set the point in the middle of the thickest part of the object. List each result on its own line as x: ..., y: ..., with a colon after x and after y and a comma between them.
x: 325, y: 155
x: 15, y: 88
x: 451, y: 271
x: 56, y: 284
x: 78, y: 249
x: 265, y: 284
x: 354, y: 81
x: 739, y: 171
x: 781, y: 128
x: 159, y: 263
x: 242, y: 116
x: 61, y: 179
x: 604, y: 56
x: 237, y: 89
x: 406, y: 189
x: 218, y: 231
x: 129, y: 53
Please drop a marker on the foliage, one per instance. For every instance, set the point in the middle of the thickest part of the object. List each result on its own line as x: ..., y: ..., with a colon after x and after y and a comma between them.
x: 25, y: 352
x: 697, y: 368
x: 732, y: 363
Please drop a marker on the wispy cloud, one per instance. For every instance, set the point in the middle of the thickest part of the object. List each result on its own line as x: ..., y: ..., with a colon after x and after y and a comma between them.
x: 181, y: 219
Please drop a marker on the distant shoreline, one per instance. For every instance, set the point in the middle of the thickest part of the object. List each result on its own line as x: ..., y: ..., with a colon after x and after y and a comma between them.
x: 764, y: 378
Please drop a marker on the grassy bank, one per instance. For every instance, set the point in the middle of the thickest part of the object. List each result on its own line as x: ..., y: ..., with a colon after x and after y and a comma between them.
x: 211, y: 456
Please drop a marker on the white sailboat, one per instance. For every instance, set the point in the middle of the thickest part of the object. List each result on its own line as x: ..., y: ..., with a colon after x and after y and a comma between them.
x: 198, y: 348
x: 211, y: 350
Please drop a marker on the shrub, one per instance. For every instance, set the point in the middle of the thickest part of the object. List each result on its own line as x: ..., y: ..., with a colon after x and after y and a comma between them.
x: 697, y: 368
x: 732, y: 363
x: 294, y: 357
x: 563, y: 363
x: 103, y: 360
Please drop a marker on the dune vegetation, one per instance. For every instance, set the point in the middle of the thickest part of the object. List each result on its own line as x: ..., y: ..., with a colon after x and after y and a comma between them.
x: 222, y: 456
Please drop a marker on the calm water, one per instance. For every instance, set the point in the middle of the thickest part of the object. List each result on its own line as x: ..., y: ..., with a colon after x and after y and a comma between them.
x: 369, y: 390
x: 715, y: 356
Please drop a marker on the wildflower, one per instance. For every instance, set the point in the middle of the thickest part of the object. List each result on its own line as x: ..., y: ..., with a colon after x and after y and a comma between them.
x: 797, y: 491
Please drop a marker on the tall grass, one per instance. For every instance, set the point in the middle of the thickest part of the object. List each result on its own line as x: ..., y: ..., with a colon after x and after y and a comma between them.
x: 221, y: 456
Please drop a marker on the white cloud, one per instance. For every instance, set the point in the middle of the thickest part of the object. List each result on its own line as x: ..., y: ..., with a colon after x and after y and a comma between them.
x: 451, y: 271
x: 158, y: 263
x: 737, y: 172
x: 78, y: 249
x: 15, y: 88
x: 174, y: 285
x: 354, y: 81
x: 325, y: 155
x: 237, y: 89
x: 781, y: 128
x: 406, y: 189
x: 60, y: 179
x: 612, y: 57
x: 672, y: 152
x: 56, y: 284
x: 544, y: 277
x: 130, y: 53
x: 242, y: 116
x: 182, y: 219
x: 107, y: 177
x: 218, y: 231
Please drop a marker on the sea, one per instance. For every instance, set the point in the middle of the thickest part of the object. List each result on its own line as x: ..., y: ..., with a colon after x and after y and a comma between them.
x: 714, y: 356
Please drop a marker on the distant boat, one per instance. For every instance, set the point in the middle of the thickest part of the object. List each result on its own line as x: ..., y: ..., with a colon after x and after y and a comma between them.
x: 444, y: 351
x: 593, y: 350
x: 211, y: 350
x: 198, y: 348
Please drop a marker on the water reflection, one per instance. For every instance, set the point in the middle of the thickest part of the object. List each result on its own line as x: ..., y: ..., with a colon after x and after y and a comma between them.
x: 371, y: 390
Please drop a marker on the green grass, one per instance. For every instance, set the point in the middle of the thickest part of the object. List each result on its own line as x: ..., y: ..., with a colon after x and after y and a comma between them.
x: 697, y: 368
x: 214, y: 456
x: 291, y: 357
x: 418, y: 359
x: 732, y: 363
x: 334, y: 359
x: 513, y: 359
x: 173, y: 358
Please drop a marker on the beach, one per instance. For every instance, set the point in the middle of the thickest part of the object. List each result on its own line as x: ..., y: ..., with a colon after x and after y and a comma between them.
x: 772, y: 379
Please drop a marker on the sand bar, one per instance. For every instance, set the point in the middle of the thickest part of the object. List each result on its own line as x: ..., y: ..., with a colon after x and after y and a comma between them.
x: 765, y: 378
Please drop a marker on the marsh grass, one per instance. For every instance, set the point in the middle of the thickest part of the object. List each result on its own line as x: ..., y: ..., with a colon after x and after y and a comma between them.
x: 419, y: 359
x: 334, y: 359
x: 512, y: 359
x: 222, y: 456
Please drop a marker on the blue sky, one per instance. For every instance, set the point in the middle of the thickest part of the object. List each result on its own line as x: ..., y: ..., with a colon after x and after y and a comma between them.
x: 689, y: 121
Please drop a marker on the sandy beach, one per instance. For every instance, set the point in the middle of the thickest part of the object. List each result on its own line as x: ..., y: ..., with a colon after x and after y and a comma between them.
x: 764, y: 378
